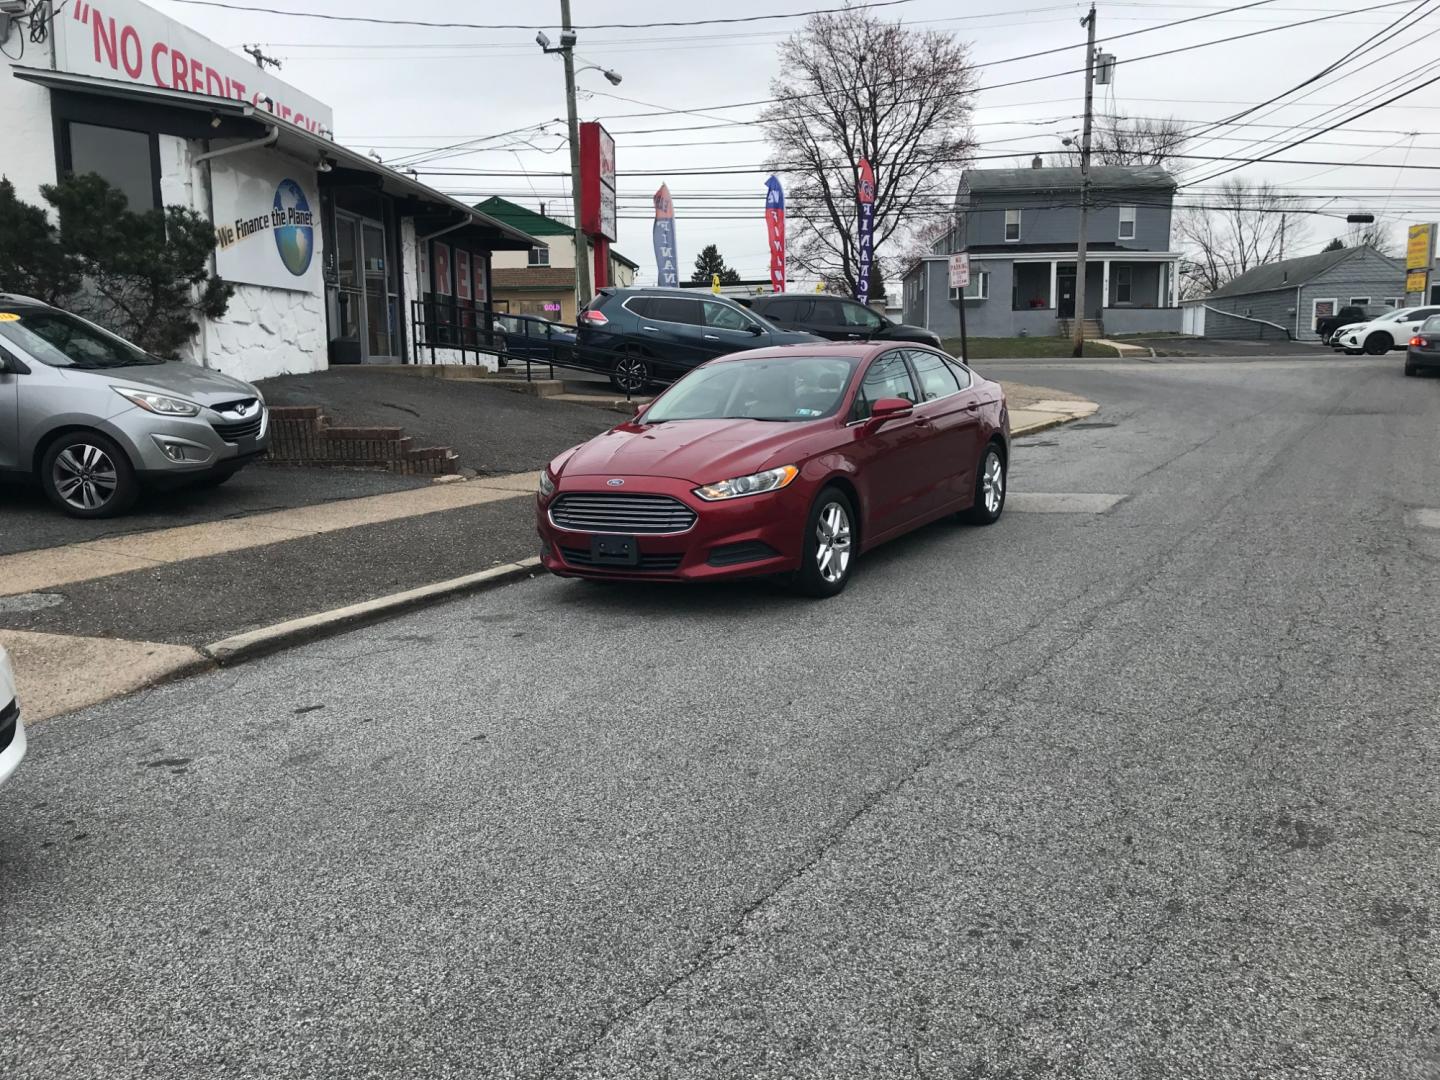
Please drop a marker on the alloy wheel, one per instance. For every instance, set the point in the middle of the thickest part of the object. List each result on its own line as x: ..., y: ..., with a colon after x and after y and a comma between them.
x: 84, y: 476
x: 630, y: 373
x: 993, y: 483
x: 832, y: 550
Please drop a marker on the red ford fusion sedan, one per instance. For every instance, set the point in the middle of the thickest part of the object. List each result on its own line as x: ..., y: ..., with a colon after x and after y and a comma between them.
x: 790, y: 460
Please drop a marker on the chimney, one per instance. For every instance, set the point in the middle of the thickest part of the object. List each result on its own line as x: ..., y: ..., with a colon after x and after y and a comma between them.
x: 1038, y: 162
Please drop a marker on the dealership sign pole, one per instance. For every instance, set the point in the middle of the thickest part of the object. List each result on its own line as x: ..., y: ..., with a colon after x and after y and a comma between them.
x: 775, y: 229
x: 865, y: 198
x: 597, y: 195
x: 1419, y: 256
x: 666, y: 268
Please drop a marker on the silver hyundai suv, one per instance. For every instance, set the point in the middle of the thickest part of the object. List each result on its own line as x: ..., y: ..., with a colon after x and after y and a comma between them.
x: 94, y: 419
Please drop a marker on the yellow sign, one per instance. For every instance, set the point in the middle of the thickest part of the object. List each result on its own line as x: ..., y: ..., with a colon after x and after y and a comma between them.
x: 715, y: 284
x: 9, y: 316
x: 1415, y: 281
x: 1419, y: 248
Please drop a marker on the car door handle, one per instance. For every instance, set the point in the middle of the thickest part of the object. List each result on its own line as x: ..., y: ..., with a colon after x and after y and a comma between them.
x: 924, y: 421
x: 711, y: 337
x: 651, y: 329
x: 972, y: 407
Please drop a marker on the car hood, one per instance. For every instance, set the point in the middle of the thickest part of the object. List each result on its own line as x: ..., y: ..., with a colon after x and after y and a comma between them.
x: 184, y: 380
x: 700, y: 451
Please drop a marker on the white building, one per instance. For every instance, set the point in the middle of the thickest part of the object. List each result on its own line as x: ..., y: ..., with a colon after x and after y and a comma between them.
x: 335, y: 258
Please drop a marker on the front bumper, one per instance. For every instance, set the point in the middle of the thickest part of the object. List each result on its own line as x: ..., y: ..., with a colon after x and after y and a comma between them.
x: 146, y: 437
x: 747, y: 537
x: 12, y: 739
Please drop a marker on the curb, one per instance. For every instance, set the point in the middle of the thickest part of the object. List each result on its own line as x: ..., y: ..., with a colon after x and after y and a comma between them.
x: 1040, y: 425
x: 269, y: 639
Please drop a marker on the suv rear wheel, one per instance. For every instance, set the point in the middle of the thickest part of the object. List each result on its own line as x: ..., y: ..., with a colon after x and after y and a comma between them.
x: 85, y: 474
x: 631, y: 374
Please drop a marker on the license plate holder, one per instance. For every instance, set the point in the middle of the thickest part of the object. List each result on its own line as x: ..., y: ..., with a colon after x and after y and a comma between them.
x: 614, y: 551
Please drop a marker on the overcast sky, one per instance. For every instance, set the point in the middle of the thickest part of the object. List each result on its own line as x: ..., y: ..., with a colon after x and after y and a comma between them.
x: 407, y: 90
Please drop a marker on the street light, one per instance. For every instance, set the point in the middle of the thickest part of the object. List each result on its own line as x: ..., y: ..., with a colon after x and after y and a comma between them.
x: 566, y: 49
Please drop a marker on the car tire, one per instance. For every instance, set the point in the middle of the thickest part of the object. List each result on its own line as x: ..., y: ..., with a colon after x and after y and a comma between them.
x: 825, y: 566
x: 1379, y: 344
x: 1411, y: 369
x: 631, y: 373
x: 87, y: 475
x: 989, y: 489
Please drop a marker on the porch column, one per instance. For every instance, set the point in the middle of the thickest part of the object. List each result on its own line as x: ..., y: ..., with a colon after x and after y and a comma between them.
x: 1164, y: 277
x: 1054, y: 284
x: 1104, y: 285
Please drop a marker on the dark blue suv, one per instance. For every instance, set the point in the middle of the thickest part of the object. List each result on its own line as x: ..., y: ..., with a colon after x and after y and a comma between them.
x: 647, y: 335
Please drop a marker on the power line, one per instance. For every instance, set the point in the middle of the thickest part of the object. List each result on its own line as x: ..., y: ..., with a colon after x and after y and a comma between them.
x: 256, y: 9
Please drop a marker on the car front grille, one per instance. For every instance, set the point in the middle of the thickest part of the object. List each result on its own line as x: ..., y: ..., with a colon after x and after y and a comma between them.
x: 235, y: 430
x: 651, y: 564
x: 605, y: 513
x: 9, y: 720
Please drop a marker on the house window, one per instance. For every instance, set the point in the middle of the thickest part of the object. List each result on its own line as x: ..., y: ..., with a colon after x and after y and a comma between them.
x: 978, y: 289
x: 1359, y: 301
x: 1122, y: 285
x: 1393, y: 301
x: 124, y: 159
x: 539, y: 256
x: 1012, y: 226
x: 1127, y: 223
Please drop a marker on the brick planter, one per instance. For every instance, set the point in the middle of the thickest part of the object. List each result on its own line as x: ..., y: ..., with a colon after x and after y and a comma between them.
x: 303, y: 435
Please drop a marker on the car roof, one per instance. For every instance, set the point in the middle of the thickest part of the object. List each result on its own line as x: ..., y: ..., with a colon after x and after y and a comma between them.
x: 15, y: 300
x: 700, y: 292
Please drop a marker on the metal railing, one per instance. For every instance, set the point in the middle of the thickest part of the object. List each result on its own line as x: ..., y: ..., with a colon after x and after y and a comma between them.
x: 445, y: 331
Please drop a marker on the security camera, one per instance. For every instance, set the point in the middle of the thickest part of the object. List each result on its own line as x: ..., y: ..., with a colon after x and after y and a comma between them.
x: 567, y: 39
x: 542, y: 39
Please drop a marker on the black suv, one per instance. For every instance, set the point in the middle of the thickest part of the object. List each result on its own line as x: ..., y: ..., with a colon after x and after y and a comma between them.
x: 646, y: 335
x: 837, y: 318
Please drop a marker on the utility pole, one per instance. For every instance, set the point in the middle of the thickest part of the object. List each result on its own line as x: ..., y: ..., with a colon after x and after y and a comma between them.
x: 260, y: 58
x: 582, y: 245
x: 1078, y: 332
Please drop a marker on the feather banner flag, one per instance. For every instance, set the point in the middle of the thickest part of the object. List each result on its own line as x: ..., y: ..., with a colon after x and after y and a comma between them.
x: 667, y: 269
x: 865, y: 198
x: 775, y: 228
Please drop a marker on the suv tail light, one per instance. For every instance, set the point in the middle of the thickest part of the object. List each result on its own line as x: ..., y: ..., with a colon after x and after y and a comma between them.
x: 1420, y: 341
x: 593, y: 317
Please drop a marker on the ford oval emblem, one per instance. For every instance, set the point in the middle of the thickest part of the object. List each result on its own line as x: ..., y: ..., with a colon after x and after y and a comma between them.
x: 615, y: 483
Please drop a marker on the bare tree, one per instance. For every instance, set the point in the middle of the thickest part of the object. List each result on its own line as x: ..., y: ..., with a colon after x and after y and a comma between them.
x: 1380, y: 235
x: 859, y: 87
x: 1242, y: 226
x: 1122, y: 140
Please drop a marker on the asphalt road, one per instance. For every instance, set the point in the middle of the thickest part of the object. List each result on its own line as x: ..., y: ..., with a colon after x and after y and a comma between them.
x: 1147, y: 793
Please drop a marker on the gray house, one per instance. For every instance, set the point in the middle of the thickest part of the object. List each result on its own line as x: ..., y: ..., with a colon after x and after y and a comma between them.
x: 1020, y: 228
x: 1285, y: 298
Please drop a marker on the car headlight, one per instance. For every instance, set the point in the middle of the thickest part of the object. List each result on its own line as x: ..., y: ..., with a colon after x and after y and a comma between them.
x: 158, y: 403
x: 754, y: 484
x: 547, y: 486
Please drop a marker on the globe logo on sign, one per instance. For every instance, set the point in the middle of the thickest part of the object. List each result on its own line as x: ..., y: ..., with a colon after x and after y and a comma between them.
x: 294, y: 227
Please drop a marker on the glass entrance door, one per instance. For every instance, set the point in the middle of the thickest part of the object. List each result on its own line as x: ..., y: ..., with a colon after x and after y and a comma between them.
x: 382, y: 341
x: 364, y: 303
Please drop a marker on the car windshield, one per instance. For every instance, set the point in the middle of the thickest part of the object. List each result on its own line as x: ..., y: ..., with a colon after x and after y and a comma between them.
x: 1432, y: 325
x: 781, y: 389
x: 59, y: 339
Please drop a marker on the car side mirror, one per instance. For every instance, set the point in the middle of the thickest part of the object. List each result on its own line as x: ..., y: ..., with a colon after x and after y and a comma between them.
x: 890, y: 408
x: 751, y: 328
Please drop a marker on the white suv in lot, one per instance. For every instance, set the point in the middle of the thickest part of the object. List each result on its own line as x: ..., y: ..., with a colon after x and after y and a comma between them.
x: 1393, y: 330
x: 12, y: 730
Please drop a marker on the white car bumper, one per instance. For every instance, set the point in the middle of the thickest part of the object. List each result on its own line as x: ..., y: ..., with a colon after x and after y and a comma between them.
x: 12, y: 728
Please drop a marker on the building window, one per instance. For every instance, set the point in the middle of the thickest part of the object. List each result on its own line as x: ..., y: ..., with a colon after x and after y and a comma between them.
x: 1012, y: 226
x: 125, y: 159
x: 1359, y: 301
x: 1122, y: 285
x: 1394, y: 301
x: 539, y: 256
x: 978, y: 289
x: 1127, y: 223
